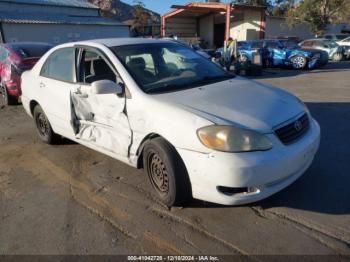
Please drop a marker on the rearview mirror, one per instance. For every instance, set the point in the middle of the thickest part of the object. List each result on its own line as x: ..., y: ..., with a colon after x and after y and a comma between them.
x: 105, y: 87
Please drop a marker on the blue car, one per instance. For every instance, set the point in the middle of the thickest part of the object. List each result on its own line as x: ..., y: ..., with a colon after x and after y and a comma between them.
x: 282, y: 53
x: 250, y: 51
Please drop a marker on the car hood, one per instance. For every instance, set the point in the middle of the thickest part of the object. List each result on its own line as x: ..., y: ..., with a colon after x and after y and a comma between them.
x: 312, y: 51
x: 238, y: 102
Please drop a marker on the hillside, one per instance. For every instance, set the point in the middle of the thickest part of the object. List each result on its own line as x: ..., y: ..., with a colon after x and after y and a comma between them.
x: 121, y: 11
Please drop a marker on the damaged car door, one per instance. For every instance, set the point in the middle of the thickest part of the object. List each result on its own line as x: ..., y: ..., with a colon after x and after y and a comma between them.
x: 98, y: 104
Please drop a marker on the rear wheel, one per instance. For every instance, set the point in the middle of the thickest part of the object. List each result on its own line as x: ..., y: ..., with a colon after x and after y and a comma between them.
x: 243, y: 58
x: 299, y: 62
x: 45, y: 132
x: 167, y: 172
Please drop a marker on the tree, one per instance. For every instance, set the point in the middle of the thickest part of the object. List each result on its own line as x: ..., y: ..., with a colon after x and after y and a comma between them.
x: 104, y: 5
x: 282, y: 7
x: 345, y: 16
x: 318, y: 13
x: 142, y: 17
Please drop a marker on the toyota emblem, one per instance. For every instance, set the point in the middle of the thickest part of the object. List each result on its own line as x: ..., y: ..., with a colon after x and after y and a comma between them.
x: 298, y: 125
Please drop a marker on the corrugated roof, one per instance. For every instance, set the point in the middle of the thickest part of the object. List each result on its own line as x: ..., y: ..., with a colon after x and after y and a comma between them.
x: 70, y: 3
x: 35, y: 18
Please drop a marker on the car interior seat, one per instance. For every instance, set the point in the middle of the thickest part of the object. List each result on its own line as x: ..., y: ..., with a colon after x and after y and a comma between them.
x: 138, y: 67
x: 100, y: 71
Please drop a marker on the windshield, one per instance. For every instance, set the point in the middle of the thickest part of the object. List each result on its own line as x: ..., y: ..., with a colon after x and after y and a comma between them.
x: 166, y: 67
x: 341, y: 37
x: 290, y: 44
x: 331, y: 44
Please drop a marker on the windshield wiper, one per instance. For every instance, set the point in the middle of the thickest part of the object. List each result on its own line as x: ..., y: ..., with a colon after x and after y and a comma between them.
x: 212, y: 79
x: 204, y: 81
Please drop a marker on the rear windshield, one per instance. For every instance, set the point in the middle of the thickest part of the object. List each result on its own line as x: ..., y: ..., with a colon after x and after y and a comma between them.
x: 290, y: 44
x: 28, y: 51
x: 257, y: 44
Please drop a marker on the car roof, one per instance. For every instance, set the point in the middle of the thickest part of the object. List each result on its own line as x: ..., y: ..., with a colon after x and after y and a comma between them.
x: 111, y: 42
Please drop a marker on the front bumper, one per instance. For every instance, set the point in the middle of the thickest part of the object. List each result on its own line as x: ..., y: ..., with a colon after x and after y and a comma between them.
x: 263, y: 173
x: 317, y: 62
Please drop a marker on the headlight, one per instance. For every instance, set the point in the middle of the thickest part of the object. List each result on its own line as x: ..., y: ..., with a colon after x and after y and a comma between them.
x: 304, y: 105
x: 233, y: 139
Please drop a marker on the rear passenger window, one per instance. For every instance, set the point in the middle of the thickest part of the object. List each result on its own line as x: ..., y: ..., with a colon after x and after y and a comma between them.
x: 60, y: 65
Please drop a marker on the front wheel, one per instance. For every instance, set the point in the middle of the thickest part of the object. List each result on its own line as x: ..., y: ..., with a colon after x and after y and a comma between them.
x: 167, y: 172
x: 45, y: 131
x: 299, y: 62
x: 337, y: 57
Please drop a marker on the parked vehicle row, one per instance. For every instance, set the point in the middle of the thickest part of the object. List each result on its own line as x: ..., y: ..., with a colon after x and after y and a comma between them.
x: 335, y: 51
x: 308, y: 54
x: 283, y: 53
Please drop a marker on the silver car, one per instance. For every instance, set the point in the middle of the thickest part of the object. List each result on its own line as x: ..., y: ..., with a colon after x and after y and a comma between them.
x: 335, y: 51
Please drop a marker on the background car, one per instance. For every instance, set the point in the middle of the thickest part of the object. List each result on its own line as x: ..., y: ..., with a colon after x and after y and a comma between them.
x: 335, y: 37
x: 250, y: 51
x: 287, y: 53
x: 16, y: 58
x: 344, y: 42
x: 335, y: 52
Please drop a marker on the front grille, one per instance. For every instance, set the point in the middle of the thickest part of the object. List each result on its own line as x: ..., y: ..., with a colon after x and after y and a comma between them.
x: 293, y: 131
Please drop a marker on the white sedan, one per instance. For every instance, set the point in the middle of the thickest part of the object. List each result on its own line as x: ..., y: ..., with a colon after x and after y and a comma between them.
x: 197, y: 130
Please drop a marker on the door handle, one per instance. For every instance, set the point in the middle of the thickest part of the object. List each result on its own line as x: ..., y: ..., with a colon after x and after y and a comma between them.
x: 82, y: 95
x: 42, y: 85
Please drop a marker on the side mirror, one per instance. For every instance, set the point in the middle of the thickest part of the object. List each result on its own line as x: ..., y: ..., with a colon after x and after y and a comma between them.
x: 105, y: 87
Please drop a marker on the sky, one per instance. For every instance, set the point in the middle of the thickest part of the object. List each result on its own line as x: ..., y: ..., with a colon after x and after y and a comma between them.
x: 163, y: 6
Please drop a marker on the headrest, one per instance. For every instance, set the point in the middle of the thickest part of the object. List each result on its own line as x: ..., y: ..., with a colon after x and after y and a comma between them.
x: 101, y: 67
x: 137, y: 63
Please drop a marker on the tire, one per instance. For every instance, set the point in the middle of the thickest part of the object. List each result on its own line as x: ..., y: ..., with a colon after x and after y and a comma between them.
x: 8, y: 100
x: 167, y: 172
x: 299, y: 62
x: 243, y: 58
x: 43, y: 126
x: 337, y: 57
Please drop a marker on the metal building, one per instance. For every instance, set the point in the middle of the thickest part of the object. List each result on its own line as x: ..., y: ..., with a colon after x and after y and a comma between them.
x: 214, y: 22
x: 55, y: 21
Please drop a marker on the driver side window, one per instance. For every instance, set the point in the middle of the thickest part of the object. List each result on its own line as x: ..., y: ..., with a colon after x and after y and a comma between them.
x: 94, y: 67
